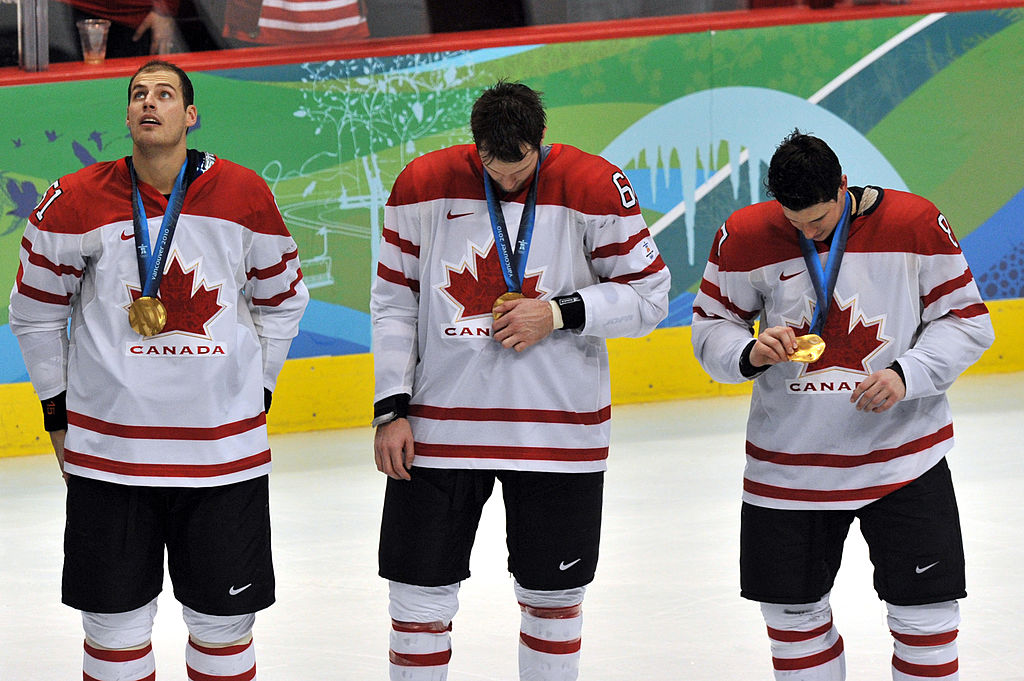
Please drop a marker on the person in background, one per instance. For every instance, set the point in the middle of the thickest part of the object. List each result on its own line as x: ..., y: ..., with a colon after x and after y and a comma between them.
x: 868, y: 312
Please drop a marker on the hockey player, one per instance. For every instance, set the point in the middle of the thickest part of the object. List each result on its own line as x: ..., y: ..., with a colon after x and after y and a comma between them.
x: 863, y: 430
x: 503, y: 268
x: 184, y: 291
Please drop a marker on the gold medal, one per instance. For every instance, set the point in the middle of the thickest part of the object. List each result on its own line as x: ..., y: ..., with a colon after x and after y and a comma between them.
x: 147, y: 315
x: 511, y: 295
x: 808, y: 348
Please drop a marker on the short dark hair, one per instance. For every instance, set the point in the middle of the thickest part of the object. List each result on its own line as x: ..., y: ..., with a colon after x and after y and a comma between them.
x: 504, y: 118
x: 804, y: 171
x: 187, y: 93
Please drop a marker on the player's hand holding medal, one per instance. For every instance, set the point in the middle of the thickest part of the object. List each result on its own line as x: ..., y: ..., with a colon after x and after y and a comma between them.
x: 808, y: 348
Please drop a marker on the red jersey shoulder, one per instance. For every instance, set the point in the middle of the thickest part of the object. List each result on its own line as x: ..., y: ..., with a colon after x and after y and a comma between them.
x: 449, y: 173
x: 232, y: 192
x: 755, y: 236
x: 88, y: 199
x: 904, y: 222
x: 585, y: 182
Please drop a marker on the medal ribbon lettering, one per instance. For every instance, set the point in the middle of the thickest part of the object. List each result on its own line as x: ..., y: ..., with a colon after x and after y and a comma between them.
x: 151, y: 262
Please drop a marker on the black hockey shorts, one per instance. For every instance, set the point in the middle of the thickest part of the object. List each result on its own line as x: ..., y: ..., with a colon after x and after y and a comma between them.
x: 913, y: 536
x: 552, y: 526
x: 217, y: 540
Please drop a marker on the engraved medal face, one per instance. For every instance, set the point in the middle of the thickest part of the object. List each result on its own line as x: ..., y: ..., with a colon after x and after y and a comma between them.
x: 808, y: 348
x: 511, y: 295
x: 147, y: 316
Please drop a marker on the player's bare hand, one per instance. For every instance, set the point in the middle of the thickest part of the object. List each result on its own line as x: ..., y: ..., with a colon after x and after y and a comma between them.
x: 773, y: 345
x: 57, y: 439
x: 393, y: 449
x: 523, y: 322
x: 879, y: 391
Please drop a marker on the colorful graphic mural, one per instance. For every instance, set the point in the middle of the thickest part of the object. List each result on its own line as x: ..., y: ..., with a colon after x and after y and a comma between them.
x: 925, y: 103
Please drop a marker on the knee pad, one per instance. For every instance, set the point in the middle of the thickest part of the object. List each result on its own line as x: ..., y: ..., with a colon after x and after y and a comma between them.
x: 120, y: 630
x: 217, y: 629
x: 924, y: 620
x: 563, y: 598
x: 409, y: 603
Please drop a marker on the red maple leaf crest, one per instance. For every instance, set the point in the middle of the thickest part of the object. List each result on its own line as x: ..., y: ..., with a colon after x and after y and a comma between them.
x: 475, y: 288
x: 189, y: 309
x: 847, y: 345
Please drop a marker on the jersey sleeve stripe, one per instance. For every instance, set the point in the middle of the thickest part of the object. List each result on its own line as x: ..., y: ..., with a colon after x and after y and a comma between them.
x: 655, y: 266
x: 273, y: 270
x: 404, y: 245
x: 712, y: 291
x: 511, y: 452
x: 510, y: 415
x: 274, y: 301
x: 188, y: 433
x: 166, y: 470
x: 40, y: 261
x: 851, y: 461
x: 622, y: 248
x: 39, y: 295
x: 976, y: 310
x: 947, y: 287
x: 396, y: 277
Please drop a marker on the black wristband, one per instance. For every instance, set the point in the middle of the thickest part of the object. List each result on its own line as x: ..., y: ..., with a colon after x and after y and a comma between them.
x: 746, y: 368
x: 895, y: 366
x: 55, y: 412
x: 268, y: 397
x: 393, y: 404
x: 574, y: 312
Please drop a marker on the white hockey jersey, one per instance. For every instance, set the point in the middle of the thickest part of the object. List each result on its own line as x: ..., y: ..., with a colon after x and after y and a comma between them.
x: 904, y: 293
x: 474, y: 403
x: 183, y: 407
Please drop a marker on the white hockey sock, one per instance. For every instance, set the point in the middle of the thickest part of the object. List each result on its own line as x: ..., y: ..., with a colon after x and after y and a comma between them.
x: 550, y: 642
x: 925, y: 641
x: 420, y: 651
x: 99, y: 664
x: 228, y: 663
x: 805, y: 644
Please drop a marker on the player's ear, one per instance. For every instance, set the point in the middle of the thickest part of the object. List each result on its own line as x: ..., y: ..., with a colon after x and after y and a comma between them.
x: 191, y: 115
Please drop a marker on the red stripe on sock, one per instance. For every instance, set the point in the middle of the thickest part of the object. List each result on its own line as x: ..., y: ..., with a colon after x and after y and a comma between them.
x: 787, y: 636
x: 791, y: 664
x: 420, y: 627
x: 925, y: 671
x: 420, y: 660
x: 193, y: 675
x: 118, y: 655
x: 568, y: 612
x: 150, y: 677
x: 226, y: 650
x: 923, y: 640
x: 551, y: 647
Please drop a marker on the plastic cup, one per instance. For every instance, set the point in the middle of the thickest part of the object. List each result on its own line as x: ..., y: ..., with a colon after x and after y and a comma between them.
x: 93, y: 33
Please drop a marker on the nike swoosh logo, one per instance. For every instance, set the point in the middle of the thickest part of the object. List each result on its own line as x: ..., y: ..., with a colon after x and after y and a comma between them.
x: 783, y: 276
x: 454, y: 216
x: 126, y: 235
x: 234, y: 592
x: 919, y: 569
x: 565, y: 566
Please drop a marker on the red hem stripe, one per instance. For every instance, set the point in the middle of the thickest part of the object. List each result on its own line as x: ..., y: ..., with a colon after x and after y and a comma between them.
x: 816, y: 660
x: 166, y: 432
x: 551, y: 647
x: 925, y: 671
x: 589, y: 418
x: 511, y: 453
x: 568, y: 612
x: 420, y: 660
x: 227, y: 650
x: 786, y: 636
x: 165, y: 470
x: 774, y: 492
x: 921, y: 641
x: 118, y: 655
x: 247, y: 675
x: 851, y: 461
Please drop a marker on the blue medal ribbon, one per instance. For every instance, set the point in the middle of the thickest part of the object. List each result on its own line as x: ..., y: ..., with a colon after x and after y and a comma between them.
x: 513, y: 263
x: 151, y: 260
x: 825, y: 280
